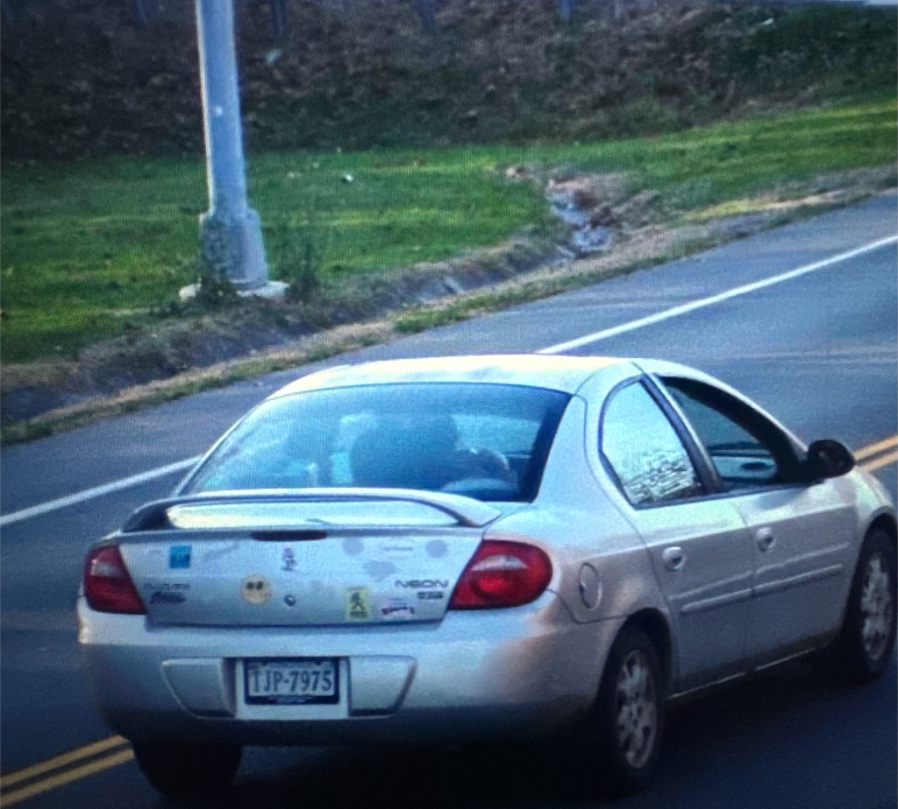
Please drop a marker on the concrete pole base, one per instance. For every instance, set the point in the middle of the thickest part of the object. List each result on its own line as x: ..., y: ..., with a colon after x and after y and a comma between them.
x: 231, y: 248
x: 270, y: 290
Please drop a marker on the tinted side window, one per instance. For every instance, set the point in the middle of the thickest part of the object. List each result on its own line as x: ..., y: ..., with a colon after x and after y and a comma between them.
x: 746, y: 450
x: 644, y: 450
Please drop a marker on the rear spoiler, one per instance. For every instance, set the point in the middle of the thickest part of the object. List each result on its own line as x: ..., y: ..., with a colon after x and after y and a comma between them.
x: 270, y: 508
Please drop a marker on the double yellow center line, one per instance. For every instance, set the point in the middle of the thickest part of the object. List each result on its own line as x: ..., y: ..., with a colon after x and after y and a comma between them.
x: 61, y: 770
x: 98, y: 756
x: 875, y: 456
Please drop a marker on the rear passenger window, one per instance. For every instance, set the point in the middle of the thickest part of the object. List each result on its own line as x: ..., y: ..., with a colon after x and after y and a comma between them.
x: 644, y: 451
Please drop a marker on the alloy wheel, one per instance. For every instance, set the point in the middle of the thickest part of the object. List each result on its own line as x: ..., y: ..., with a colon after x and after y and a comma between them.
x: 877, y: 606
x: 636, y: 709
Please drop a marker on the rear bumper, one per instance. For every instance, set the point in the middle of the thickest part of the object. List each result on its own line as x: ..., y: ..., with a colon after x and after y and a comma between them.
x: 521, y: 671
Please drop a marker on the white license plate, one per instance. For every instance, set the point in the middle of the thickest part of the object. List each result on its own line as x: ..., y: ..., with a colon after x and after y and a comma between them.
x: 291, y: 681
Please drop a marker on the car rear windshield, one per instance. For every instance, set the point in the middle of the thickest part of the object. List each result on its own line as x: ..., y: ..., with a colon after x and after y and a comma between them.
x: 489, y: 442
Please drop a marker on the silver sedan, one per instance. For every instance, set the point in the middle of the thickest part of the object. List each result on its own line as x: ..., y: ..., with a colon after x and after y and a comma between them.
x: 443, y: 549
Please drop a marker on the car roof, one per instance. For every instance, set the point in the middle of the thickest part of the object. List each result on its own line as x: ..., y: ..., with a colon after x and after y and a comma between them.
x: 563, y: 373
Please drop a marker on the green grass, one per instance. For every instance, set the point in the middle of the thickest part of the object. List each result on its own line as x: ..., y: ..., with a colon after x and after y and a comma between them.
x: 94, y: 249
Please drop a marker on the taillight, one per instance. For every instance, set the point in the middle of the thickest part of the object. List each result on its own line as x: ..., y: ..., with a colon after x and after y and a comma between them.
x: 107, y: 584
x: 502, y: 574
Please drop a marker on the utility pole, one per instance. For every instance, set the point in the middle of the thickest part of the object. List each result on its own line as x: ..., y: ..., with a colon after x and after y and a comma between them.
x: 230, y: 231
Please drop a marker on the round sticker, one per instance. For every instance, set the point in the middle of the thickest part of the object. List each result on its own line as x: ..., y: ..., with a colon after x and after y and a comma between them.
x: 256, y: 589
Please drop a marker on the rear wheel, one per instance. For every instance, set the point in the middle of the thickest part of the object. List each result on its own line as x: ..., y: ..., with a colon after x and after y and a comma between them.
x: 863, y: 649
x: 188, y: 771
x: 627, y: 720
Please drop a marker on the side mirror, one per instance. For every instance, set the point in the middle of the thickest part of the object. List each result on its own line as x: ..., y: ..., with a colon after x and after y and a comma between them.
x: 828, y: 459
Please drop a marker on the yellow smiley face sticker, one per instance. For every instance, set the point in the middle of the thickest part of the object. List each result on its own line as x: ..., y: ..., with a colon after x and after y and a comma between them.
x: 255, y: 589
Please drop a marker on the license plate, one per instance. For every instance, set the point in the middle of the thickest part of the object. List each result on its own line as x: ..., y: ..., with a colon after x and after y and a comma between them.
x: 291, y: 681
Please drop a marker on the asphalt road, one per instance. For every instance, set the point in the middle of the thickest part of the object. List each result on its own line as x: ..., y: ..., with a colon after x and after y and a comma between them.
x: 818, y: 349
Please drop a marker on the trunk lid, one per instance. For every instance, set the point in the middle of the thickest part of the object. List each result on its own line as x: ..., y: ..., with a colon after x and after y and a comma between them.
x: 328, y: 558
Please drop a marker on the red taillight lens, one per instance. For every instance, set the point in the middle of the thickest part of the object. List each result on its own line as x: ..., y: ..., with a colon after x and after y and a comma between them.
x: 107, y: 584
x: 502, y: 574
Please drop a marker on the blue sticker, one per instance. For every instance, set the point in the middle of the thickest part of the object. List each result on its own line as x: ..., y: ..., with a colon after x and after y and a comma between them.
x: 180, y: 556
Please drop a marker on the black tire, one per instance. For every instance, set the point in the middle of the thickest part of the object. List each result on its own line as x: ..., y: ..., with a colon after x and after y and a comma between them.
x: 188, y: 771
x: 863, y: 649
x: 626, y: 724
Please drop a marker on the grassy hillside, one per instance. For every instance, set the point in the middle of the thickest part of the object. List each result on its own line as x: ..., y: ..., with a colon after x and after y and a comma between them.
x: 100, y: 248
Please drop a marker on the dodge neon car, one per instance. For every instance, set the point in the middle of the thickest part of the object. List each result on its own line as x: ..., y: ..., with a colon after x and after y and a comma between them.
x: 445, y: 549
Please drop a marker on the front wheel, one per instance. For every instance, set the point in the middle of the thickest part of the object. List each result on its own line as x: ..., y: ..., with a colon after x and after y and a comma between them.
x: 863, y: 649
x: 627, y: 720
x: 188, y: 771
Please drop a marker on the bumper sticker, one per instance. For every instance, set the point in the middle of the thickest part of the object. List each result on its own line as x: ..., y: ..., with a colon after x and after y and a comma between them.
x: 289, y: 559
x: 255, y: 589
x: 358, y: 607
x: 397, y: 609
x: 167, y: 597
x: 179, y: 556
x: 166, y: 586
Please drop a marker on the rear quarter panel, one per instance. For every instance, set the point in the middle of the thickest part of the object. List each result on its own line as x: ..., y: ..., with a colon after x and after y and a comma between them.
x: 601, y: 568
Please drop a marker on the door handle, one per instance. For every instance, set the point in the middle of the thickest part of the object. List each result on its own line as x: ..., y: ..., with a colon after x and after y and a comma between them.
x: 765, y: 538
x: 674, y: 558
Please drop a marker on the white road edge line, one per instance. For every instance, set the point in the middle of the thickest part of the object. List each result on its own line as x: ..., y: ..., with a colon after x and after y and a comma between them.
x: 685, y: 308
x: 134, y: 480
x: 97, y: 491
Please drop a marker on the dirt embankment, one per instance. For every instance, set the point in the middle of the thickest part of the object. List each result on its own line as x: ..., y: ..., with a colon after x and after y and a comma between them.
x: 80, y: 79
